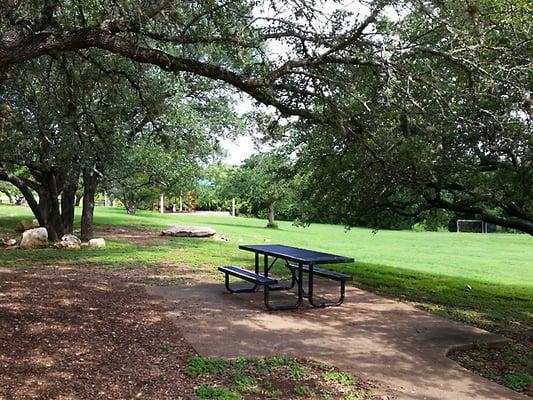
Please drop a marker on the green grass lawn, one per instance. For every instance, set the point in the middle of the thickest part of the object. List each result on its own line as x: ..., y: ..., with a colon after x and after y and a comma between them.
x: 486, y: 280
x: 483, y: 280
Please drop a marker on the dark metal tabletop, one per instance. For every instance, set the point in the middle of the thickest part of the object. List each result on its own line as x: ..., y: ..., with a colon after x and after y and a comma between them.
x: 296, y: 254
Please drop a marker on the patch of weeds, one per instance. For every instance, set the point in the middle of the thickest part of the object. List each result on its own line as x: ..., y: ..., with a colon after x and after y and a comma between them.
x: 518, y: 380
x: 241, y: 365
x: 338, y: 377
x: 303, y: 390
x: 479, y: 346
x: 296, y: 371
x: 273, y: 394
x: 327, y: 393
x: 359, y: 394
x: 204, y: 366
x: 246, y: 384
x: 166, y: 347
x: 518, y: 357
x: 261, y: 366
x: 270, y: 392
x: 267, y: 385
x: 268, y: 365
x: 207, y: 392
x: 278, y: 361
x: 509, y: 365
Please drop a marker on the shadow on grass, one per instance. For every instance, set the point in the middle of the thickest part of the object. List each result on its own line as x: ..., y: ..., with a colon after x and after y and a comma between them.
x: 9, y: 224
x: 505, y: 309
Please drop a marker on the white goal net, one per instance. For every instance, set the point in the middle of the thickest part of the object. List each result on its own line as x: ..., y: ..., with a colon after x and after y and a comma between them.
x: 472, y: 226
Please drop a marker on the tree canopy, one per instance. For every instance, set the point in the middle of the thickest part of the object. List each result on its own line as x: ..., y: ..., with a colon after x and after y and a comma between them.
x: 401, y: 106
x: 449, y: 129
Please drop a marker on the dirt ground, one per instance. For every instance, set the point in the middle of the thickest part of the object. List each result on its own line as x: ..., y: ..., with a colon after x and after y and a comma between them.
x: 138, y: 235
x: 81, y: 334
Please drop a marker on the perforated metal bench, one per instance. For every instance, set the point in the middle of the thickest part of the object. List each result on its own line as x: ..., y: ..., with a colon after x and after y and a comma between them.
x: 325, y: 273
x: 245, y: 275
x: 258, y: 280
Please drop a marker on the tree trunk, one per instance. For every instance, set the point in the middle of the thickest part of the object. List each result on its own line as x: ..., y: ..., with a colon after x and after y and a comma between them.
x: 26, y: 192
x: 90, y: 181
x: 271, y: 216
x: 55, y: 211
x: 49, y: 207
x: 9, y: 196
x: 131, y: 207
x: 68, y: 199
x: 47, y: 210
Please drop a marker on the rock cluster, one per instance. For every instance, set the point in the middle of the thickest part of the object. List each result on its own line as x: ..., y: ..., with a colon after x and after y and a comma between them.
x: 35, y: 237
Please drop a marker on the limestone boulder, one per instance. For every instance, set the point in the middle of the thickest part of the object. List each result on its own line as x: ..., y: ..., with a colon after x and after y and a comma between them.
x: 71, y: 239
x: 9, y: 242
x: 34, y: 238
x: 189, y: 231
x: 68, y: 242
x: 97, y: 243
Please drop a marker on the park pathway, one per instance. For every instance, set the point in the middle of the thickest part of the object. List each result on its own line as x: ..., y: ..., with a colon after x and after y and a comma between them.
x: 395, y: 344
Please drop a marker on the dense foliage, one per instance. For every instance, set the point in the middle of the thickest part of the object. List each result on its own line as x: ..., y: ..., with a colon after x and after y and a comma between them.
x: 402, y: 107
x: 448, y: 125
x: 119, y: 123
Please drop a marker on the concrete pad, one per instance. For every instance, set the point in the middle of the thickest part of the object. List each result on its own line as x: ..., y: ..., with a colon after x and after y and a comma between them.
x: 377, y: 339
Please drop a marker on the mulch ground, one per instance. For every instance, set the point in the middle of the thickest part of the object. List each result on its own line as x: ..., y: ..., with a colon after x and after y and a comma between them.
x: 79, y: 334
x: 510, y: 365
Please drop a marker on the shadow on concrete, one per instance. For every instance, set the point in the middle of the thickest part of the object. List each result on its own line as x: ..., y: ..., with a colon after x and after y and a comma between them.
x: 378, y: 339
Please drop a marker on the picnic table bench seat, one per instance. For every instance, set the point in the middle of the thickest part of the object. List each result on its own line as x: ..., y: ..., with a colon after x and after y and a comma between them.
x: 336, y: 276
x: 246, y: 275
x: 325, y: 273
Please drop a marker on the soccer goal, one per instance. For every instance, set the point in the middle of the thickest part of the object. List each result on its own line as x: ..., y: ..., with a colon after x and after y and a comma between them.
x: 472, y: 226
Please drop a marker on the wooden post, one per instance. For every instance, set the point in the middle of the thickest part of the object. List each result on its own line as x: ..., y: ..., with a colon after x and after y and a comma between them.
x: 233, y: 207
x: 181, y: 202
x: 162, y: 204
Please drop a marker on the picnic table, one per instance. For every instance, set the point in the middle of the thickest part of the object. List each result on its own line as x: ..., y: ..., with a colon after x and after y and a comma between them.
x: 298, y: 261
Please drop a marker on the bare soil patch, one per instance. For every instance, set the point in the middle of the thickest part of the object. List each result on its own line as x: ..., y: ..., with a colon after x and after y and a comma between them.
x: 75, y: 334
x: 162, y: 273
x: 139, y: 236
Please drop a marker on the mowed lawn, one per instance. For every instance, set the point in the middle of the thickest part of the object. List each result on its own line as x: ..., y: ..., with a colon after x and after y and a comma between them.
x: 483, y: 279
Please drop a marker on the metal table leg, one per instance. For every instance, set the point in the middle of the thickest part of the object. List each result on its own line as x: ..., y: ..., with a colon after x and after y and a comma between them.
x: 267, y: 290
x: 324, y: 303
